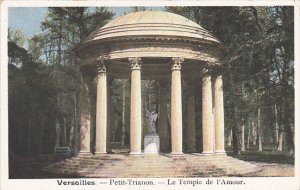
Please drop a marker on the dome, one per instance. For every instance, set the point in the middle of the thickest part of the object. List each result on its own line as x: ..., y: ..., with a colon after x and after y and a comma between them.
x: 152, y: 24
x: 156, y: 37
x: 157, y: 17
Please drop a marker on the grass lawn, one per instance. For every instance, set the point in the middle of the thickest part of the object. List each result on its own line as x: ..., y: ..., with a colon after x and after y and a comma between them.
x: 268, y: 155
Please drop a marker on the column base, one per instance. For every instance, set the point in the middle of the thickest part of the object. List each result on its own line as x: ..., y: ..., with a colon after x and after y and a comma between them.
x: 208, y: 152
x: 220, y: 152
x: 135, y: 153
x: 176, y: 154
x: 100, y: 153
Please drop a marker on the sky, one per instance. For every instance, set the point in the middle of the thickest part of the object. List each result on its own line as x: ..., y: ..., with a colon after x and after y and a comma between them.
x: 28, y: 19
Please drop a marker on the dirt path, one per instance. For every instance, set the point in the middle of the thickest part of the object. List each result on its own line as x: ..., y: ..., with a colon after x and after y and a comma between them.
x: 274, y: 170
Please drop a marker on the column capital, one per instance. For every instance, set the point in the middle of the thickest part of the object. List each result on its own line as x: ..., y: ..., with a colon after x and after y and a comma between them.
x: 218, y: 76
x: 135, y: 63
x: 176, y: 63
x: 206, y: 71
x: 101, y: 65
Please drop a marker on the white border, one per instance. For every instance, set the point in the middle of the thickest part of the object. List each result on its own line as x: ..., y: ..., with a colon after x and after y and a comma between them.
x: 289, y: 183
x: 125, y: 3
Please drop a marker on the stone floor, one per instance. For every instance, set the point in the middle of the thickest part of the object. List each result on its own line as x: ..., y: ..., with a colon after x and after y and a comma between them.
x: 122, y: 165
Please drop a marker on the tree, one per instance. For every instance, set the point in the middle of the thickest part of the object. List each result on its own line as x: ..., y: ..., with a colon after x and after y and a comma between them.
x: 29, y: 122
x: 63, y: 29
x: 17, y: 36
x: 258, y: 68
x: 47, y: 76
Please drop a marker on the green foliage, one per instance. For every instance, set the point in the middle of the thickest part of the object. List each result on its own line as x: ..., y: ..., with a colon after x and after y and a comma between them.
x: 258, y: 69
x: 45, y: 79
x: 31, y: 98
x: 17, y: 36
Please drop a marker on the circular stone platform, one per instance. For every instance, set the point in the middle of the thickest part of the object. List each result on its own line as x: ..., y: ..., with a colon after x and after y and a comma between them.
x: 161, y: 165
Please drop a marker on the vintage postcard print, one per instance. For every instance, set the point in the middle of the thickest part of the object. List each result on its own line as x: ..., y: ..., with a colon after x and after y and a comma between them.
x: 164, y: 95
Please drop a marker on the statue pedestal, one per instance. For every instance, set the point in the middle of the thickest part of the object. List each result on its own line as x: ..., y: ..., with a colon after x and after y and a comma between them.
x: 151, y: 143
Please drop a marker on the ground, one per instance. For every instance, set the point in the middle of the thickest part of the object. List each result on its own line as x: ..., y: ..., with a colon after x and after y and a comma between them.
x: 271, y: 163
x: 281, y: 170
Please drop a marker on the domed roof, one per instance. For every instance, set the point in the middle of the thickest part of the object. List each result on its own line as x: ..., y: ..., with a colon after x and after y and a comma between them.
x: 152, y: 24
x: 157, y: 17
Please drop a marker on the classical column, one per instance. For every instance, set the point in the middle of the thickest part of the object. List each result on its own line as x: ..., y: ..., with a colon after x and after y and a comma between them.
x: 191, y: 128
x: 135, y: 107
x: 219, y: 116
x: 101, y: 109
x: 207, y: 124
x: 85, y: 115
x: 163, y: 117
x: 176, y: 107
x: 109, y: 115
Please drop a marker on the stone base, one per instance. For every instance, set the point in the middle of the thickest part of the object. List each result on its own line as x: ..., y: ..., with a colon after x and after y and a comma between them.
x: 86, y: 154
x: 151, y: 166
x: 135, y: 154
x: 221, y: 152
x: 151, y: 143
x: 176, y: 154
x: 99, y: 154
x: 208, y: 153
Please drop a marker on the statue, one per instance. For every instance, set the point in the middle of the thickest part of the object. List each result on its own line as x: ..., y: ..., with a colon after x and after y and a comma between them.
x: 152, y: 116
x: 151, y: 140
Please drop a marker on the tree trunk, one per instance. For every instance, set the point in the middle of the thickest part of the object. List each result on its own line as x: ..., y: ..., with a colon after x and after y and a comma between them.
x: 280, y: 141
x: 64, y: 132
x: 57, y: 77
x: 123, y: 112
x: 288, y: 132
x: 287, y: 52
x: 254, y: 134
x: 259, y: 131
x: 229, y: 143
x: 64, y: 125
x: 57, y: 127
x: 71, y: 136
x: 76, y: 141
x: 249, y: 132
x: 276, y: 125
x: 243, y: 136
x: 235, y: 136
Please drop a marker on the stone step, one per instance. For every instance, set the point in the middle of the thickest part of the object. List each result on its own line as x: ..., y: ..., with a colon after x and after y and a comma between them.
x: 140, y: 175
x: 151, y: 166
x: 145, y: 164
